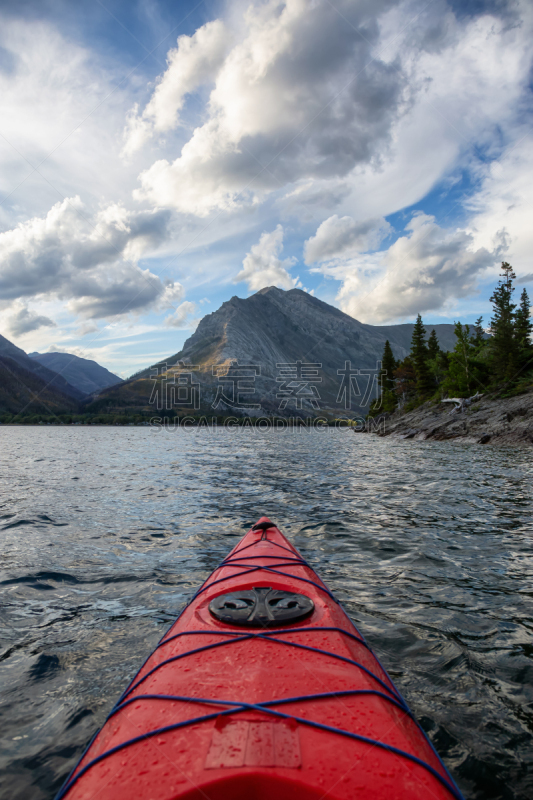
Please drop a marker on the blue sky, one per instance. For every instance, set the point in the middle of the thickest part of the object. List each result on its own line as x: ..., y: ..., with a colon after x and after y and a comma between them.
x: 157, y: 158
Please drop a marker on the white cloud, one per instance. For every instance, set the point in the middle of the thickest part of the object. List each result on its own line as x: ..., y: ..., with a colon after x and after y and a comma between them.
x: 359, y: 112
x: 505, y: 200
x: 262, y: 266
x: 466, y: 86
x: 344, y: 236
x: 193, y: 63
x: 87, y: 328
x: 71, y: 351
x: 181, y: 318
x: 87, y: 260
x: 299, y: 92
x: 62, y: 109
x: 23, y: 320
x: 422, y: 271
x: 335, y: 122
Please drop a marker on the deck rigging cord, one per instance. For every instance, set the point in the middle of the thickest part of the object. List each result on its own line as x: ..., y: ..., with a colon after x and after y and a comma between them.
x: 232, y: 707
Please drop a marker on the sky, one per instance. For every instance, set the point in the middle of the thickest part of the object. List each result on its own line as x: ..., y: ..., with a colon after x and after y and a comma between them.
x: 157, y: 158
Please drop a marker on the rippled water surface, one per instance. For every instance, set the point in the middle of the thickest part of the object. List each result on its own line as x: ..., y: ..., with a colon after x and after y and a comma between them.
x: 106, y: 532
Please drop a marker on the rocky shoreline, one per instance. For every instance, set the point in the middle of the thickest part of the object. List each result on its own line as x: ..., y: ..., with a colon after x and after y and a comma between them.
x: 487, y: 420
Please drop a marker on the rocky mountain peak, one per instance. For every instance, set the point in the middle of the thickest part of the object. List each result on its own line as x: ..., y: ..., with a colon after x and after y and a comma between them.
x: 275, y: 330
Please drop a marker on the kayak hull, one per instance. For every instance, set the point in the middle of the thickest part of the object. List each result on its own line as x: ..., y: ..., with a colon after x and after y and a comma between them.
x: 296, y: 710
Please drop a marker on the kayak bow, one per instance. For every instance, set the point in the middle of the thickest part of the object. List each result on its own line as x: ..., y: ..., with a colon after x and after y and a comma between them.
x: 262, y: 688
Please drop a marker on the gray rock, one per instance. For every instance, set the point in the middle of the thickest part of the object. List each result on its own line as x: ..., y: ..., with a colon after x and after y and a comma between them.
x: 498, y: 420
x: 409, y: 434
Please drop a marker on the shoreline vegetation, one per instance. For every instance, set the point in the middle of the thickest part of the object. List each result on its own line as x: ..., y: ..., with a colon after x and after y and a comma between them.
x: 480, y: 378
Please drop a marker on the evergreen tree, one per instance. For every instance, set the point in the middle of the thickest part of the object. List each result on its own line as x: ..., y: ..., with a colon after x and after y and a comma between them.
x: 419, y: 356
x: 405, y: 379
x: 503, y: 345
x: 478, y: 338
x: 459, y: 380
x: 434, y: 352
x: 388, y: 363
x: 387, y: 400
x: 433, y: 345
x: 443, y: 363
x: 386, y: 403
x: 523, y: 330
x: 466, y: 373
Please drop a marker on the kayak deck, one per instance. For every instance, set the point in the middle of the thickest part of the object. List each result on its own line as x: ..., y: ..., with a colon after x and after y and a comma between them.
x: 229, y: 710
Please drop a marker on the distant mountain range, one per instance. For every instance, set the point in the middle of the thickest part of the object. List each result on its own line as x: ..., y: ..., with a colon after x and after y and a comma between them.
x: 49, y: 377
x: 277, y: 353
x: 25, y: 392
x: 302, y: 356
x: 85, y: 375
x: 48, y: 382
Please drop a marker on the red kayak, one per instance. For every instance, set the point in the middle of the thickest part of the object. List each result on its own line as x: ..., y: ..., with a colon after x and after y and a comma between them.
x: 262, y: 689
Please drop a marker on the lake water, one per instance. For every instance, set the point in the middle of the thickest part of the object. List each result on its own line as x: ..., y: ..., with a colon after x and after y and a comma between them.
x: 106, y: 532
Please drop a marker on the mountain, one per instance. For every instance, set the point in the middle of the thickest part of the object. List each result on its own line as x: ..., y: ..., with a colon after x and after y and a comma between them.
x: 275, y: 326
x: 296, y: 349
x: 47, y: 376
x: 22, y: 391
x: 400, y: 336
x: 85, y: 375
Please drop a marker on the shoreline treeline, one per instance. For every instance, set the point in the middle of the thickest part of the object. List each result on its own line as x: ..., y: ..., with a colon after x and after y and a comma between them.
x: 500, y: 361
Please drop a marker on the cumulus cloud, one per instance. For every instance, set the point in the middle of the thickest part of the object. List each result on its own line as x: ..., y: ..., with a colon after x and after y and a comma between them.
x: 87, y: 260
x: 422, y: 271
x: 182, y: 317
x: 505, y: 200
x: 262, y: 266
x: 526, y: 278
x: 337, y: 237
x: 193, y: 63
x: 345, y: 113
x: 23, y: 320
x: 333, y: 107
x: 301, y: 91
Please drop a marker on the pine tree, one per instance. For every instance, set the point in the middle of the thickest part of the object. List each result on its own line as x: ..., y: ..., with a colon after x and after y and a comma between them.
x: 503, y: 345
x: 419, y: 355
x: 443, y: 362
x: 523, y: 331
x: 433, y: 345
x: 480, y: 360
x: 434, y: 352
x: 462, y: 374
x: 389, y: 365
x: 405, y: 379
x: 478, y: 338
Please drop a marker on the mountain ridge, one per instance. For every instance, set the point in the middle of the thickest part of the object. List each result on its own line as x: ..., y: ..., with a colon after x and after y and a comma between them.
x: 25, y: 392
x: 29, y: 386
x: 399, y: 335
x: 84, y: 374
x: 48, y: 376
x: 270, y: 328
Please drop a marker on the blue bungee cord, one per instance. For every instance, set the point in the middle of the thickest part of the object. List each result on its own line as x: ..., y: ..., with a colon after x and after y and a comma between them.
x: 392, y: 696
